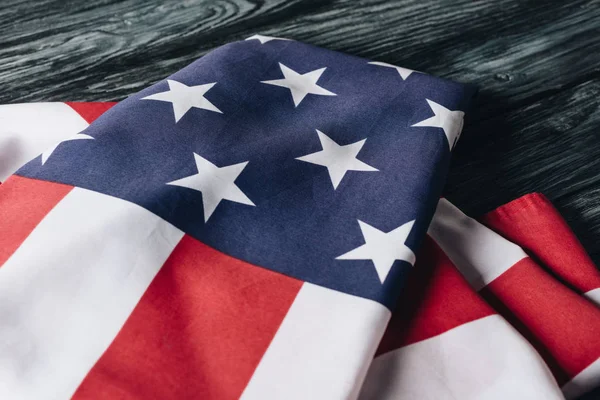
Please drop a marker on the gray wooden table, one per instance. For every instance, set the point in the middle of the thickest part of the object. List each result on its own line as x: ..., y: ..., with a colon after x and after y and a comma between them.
x: 535, y: 126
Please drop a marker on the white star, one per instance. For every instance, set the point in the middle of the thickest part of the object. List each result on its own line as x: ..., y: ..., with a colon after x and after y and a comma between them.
x: 184, y: 97
x: 80, y: 136
x: 450, y: 121
x: 383, y: 248
x: 338, y: 159
x: 215, y: 183
x: 404, y: 72
x: 300, y: 84
x: 264, y: 39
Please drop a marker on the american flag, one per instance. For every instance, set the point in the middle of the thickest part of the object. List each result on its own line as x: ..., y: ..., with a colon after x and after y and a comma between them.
x: 266, y: 224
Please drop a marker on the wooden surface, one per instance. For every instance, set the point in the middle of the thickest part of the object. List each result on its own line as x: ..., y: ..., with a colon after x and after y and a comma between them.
x: 535, y: 126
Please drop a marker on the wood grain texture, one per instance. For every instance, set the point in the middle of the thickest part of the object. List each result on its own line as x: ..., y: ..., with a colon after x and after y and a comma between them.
x: 535, y: 126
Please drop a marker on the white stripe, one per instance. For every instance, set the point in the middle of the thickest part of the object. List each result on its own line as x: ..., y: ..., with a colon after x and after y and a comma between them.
x: 593, y: 296
x: 485, y: 359
x: 322, y: 349
x: 26, y: 130
x: 66, y: 292
x: 583, y: 382
x: 479, y: 253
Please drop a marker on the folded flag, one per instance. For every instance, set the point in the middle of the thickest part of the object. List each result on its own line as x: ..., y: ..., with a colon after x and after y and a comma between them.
x: 245, y: 228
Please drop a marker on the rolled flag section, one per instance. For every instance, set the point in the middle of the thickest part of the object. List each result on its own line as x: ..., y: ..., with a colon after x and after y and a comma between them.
x: 562, y: 325
x: 445, y: 342
x: 534, y: 223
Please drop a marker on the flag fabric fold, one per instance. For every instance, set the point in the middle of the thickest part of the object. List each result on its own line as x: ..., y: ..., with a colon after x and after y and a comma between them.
x: 476, y: 300
x: 265, y: 224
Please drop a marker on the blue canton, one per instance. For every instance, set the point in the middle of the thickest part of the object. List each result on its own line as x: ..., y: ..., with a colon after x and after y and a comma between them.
x: 334, y: 182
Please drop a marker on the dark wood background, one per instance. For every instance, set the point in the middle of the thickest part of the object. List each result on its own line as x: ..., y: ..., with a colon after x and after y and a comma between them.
x: 534, y: 127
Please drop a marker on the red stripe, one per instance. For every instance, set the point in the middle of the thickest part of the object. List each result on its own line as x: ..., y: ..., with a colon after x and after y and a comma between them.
x: 198, y: 332
x: 436, y: 299
x: 532, y: 222
x: 563, y: 326
x: 90, y: 111
x: 24, y: 202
